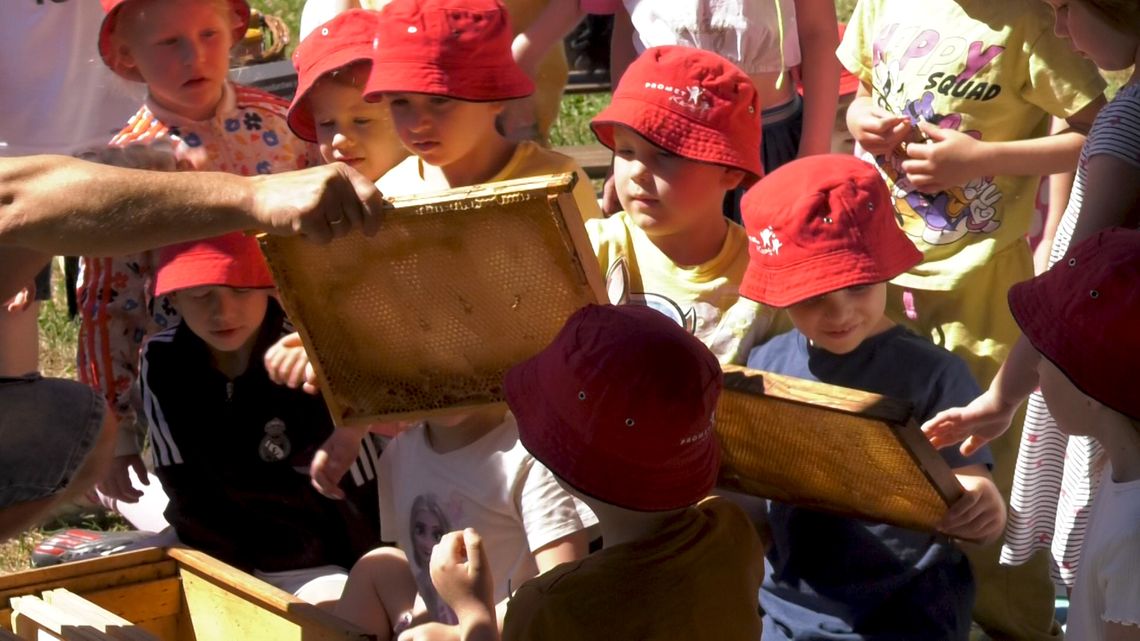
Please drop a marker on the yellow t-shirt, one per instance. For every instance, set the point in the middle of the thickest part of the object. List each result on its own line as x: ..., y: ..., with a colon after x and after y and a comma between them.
x: 552, y: 71
x: 704, y: 299
x: 529, y: 159
x: 992, y: 69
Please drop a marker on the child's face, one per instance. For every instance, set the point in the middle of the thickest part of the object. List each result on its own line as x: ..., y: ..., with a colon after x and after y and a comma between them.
x: 226, y: 318
x: 663, y: 193
x: 840, y: 321
x: 352, y: 130
x: 1093, y: 37
x: 181, y: 49
x: 440, y: 130
x: 1069, y: 406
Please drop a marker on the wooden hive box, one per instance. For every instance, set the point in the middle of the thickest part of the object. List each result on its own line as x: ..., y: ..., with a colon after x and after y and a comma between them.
x: 427, y: 315
x: 180, y: 595
x: 830, y: 448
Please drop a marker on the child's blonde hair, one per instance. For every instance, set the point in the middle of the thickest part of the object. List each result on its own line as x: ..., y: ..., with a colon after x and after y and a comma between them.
x: 1123, y: 15
x: 129, y: 12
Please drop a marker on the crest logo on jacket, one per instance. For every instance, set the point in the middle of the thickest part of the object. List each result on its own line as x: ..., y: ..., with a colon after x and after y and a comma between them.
x: 275, y: 445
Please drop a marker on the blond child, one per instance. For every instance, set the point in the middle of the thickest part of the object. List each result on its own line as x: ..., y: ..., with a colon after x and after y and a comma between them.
x: 329, y: 108
x: 1080, y: 318
x: 180, y: 50
x: 444, y: 68
x: 642, y: 455
x: 954, y: 107
x: 684, y: 125
x: 823, y: 244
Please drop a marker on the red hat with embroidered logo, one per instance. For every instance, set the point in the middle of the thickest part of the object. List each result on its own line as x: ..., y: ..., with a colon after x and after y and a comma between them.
x: 348, y: 38
x: 690, y: 102
x: 620, y: 406
x: 232, y: 260
x: 820, y: 224
x: 455, y: 48
x: 112, y: 9
x: 1082, y: 313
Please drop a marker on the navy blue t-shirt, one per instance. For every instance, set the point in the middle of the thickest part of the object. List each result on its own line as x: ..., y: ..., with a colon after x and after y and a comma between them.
x: 837, y: 578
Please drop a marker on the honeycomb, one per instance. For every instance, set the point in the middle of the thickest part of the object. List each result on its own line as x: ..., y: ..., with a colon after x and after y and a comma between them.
x: 830, y: 448
x: 426, y: 316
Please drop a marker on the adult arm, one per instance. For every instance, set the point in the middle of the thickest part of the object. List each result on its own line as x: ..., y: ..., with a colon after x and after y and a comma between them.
x: 551, y: 26
x: 819, y: 68
x: 622, y: 51
x: 60, y: 205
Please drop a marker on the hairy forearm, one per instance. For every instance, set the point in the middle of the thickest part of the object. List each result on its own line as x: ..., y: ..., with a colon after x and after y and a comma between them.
x: 59, y: 205
x: 1044, y: 156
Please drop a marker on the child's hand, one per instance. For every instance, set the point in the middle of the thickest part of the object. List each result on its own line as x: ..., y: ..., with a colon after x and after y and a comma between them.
x: 983, y: 420
x: 22, y: 300
x: 950, y: 159
x: 333, y: 458
x: 979, y: 516
x: 116, y: 481
x: 288, y: 364
x: 460, y: 573
x: 876, y: 130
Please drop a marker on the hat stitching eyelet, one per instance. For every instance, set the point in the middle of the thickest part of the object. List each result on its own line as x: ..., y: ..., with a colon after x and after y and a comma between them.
x: 325, y: 31
x: 412, y: 29
x: 1072, y: 262
x: 827, y: 219
x: 581, y: 396
x: 629, y: 422
x: 1094, y: 294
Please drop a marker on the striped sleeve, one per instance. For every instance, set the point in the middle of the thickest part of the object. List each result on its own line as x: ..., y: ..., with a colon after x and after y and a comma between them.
x: 165, y: 447
x: 1117, y: 129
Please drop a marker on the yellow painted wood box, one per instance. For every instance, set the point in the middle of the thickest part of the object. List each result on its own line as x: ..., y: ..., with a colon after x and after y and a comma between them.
x: 179, y: 595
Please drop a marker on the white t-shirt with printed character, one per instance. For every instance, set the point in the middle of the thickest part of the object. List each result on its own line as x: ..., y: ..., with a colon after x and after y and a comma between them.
x: 493, y: 485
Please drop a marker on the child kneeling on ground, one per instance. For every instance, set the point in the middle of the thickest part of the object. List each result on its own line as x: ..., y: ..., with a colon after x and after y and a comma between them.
x: 231, y: 447
x: 823, y: 244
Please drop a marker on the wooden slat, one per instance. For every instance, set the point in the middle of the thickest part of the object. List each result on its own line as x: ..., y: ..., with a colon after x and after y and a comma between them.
x: 83, y: 584
x: 37, y: 618
x: 104, y: 620
x: 594, y: 159
x: 225, y: 605
x: 12, y: 584
x: 798, y: 390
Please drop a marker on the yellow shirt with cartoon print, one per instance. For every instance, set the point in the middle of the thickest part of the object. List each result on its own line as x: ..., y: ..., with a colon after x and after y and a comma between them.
x: 704, y: 299
x: 992, y: 69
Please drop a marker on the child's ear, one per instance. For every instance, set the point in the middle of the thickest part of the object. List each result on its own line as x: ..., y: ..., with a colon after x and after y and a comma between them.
x: 123, y: 57
x: 731, y: 178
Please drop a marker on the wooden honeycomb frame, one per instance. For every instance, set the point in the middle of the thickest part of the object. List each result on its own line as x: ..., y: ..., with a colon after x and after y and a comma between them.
x: 830, y: 448
x: 426, y: 316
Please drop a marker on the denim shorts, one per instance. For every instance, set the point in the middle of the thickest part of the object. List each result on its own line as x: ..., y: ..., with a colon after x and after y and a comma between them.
x: 47, y: 428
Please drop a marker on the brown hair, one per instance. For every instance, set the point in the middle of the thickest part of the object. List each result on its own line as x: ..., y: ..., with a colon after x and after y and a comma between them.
x: 1122, y: 15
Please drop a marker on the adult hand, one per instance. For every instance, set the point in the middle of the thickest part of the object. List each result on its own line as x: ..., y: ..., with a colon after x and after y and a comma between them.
x: 984, y: 419
x: 22, y: 300
x: 518, y: 121
x: 320, y: 203
x: 116, y: 481
x: 877, y: 130
x: 949, y: 159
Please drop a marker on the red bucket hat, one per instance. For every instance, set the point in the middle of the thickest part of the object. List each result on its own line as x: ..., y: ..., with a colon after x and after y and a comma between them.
x: 348, y: 38
x: 455, y: 48
x: 690, y: 102
x: 232, y: 260
x: 1082, y: 313
x: 107, y: 45
x: 819, y: 224
x: 620, y: 406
